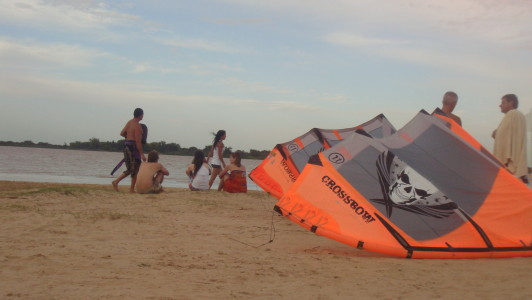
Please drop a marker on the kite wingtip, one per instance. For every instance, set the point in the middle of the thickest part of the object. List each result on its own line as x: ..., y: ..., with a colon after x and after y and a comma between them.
x: 277, y: 209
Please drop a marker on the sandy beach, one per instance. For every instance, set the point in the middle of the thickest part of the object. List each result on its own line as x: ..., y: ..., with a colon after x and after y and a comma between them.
x: 66, y: 241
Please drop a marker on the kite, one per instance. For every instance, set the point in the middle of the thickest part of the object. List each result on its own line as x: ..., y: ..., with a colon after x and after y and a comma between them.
x: 424, y: 191
x: 281, y: 168
x: 457, y: 129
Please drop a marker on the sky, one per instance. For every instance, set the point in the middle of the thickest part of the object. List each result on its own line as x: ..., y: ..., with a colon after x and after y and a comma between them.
x: 264, y: 71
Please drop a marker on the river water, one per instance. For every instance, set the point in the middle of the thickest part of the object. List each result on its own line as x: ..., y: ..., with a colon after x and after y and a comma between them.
x: 87, y: 167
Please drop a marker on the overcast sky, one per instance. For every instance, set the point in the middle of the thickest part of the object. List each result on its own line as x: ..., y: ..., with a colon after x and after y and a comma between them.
x: 265, y: 71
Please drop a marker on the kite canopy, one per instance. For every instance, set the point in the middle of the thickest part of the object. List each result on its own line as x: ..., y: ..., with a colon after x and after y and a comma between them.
x: 286, y: 161
x: 428, y: 190
x: 457, y: 129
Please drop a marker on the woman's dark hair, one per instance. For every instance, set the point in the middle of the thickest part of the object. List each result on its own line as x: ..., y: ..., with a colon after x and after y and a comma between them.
x: 217, y: 137
x: 238, y: 158
x: 199, y: 159
x: 144, y: 135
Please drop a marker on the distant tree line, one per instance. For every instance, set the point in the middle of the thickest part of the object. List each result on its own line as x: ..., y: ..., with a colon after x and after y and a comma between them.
x: 162, y: 147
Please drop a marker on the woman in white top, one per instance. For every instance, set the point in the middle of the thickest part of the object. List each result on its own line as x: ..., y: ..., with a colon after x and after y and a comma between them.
x: 198, y: 172
x: 216, y: 155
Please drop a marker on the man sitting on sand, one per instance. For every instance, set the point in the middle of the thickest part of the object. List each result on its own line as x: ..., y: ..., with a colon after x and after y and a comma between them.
x: 151, y: 175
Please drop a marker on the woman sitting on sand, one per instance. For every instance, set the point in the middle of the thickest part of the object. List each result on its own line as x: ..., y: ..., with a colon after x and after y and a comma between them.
x: 198, y: 172
x: 233, y: 176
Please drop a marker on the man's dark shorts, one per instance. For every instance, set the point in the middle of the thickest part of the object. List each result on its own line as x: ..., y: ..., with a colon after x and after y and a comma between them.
x: 132, y: 158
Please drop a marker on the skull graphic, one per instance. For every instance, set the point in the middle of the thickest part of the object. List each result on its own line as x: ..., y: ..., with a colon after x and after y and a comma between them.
x: 404, y: 188
x: 408, y: 187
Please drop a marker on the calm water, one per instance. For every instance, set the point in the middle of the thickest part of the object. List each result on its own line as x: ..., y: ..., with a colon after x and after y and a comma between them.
x: 92, y: 167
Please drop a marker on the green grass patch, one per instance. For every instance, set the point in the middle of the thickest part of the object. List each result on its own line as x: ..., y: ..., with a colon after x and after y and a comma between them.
x: 63, y: 190
x: 107, y: 215
x: 206, y: 202
x: 15, y: 207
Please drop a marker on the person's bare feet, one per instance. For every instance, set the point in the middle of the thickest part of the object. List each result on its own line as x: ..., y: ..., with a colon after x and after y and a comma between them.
x: 115, y: 185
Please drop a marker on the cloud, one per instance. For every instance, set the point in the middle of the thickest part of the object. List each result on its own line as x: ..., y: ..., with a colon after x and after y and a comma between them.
x: 62, y: 15
x: 276, y: 105
x: 139, y: 68
x: 492, y: 21
x: 196, y: 69
x: 235, y: 21
x: 49, y: 88
x: 200, y: 44
x: 15, y: 87
x: 334, y: 98
x: 353, y: 40
x: 255, y: 87
x: 443, y: 55
x: 33, y: 55
x: 17, y: 54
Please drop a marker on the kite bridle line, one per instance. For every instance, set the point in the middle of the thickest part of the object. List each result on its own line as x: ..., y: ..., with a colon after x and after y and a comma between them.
x: 272, y: 233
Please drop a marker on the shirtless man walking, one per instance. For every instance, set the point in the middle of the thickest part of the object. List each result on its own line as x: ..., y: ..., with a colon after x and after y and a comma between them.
x: 132, y: 149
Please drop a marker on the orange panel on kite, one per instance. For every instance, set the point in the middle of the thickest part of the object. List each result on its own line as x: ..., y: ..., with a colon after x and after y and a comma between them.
x: 282, y: 167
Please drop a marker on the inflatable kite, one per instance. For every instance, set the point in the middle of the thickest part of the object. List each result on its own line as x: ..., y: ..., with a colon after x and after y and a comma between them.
x: 286, y: 161
x: 457, y: 129
x: 426, y: 191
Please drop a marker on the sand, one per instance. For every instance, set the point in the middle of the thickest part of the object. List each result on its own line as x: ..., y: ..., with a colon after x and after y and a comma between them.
x: 64, y: 241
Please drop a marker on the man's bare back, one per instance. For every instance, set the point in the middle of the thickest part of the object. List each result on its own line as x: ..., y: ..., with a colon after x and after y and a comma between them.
x: 149, y: 172
x: 131, y: 129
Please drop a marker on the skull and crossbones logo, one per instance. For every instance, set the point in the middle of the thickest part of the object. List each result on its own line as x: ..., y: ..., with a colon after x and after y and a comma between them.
x: 408, y: 187
x: 404, y: 188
